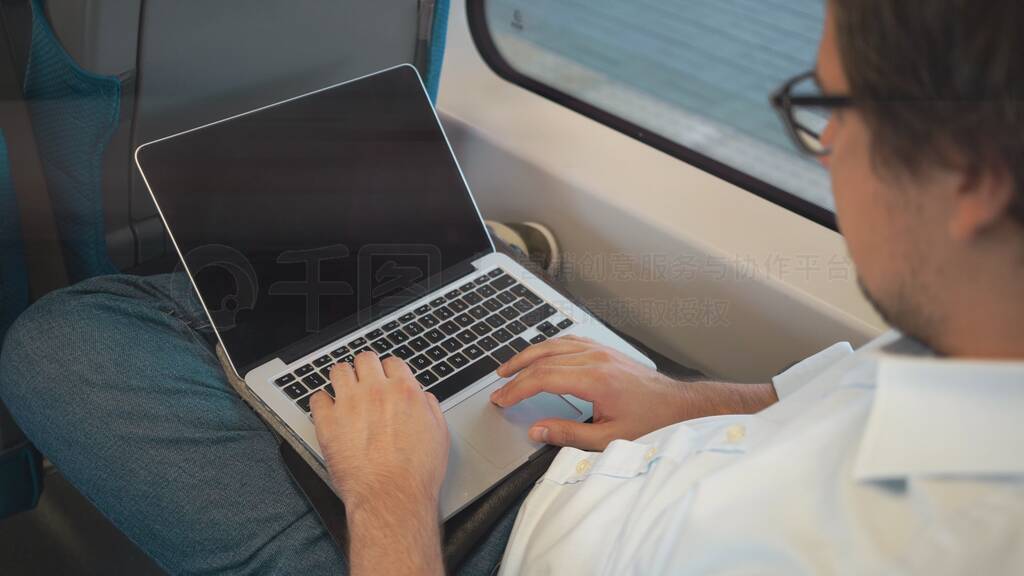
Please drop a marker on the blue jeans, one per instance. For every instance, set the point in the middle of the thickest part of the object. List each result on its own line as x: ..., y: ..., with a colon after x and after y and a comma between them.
x: 116, y: 381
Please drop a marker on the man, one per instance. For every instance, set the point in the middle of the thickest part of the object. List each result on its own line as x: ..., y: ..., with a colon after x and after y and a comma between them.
x: 901, y: 457
x: 875, y: 462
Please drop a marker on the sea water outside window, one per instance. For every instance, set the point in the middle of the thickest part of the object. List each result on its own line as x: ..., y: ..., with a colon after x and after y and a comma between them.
x: 697, y: 72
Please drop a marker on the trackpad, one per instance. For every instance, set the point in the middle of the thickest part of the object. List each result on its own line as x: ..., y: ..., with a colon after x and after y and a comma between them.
x: 500, y: 434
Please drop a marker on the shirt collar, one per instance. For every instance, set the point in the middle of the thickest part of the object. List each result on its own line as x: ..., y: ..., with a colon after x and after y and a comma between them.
x: 942, y: 417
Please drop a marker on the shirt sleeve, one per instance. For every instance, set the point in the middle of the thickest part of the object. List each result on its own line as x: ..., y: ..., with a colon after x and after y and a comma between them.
x: 809, y: 368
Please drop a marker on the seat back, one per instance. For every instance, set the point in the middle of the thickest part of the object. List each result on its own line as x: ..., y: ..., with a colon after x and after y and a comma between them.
x: 20, y: 472
x: 26, y: 230
x: 184, y: 63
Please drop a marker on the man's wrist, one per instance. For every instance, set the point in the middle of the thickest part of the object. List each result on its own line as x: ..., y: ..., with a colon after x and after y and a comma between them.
x: 401, y: 508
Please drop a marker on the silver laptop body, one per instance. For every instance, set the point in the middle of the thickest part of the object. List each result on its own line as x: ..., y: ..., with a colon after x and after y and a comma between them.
x: 248, y: 202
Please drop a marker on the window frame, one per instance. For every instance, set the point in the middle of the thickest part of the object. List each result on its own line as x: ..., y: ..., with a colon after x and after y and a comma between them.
x: 486, y: 46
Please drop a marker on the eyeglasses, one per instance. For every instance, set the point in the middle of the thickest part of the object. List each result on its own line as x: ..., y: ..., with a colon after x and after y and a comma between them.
x: 805, y: 112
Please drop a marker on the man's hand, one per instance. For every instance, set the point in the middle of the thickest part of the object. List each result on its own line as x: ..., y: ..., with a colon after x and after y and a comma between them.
x: 630, y: 400
x: 382, y: 431
x: 386, y: 446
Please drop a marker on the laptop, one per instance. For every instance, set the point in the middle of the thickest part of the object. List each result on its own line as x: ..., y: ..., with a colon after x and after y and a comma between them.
x: 339, y: 221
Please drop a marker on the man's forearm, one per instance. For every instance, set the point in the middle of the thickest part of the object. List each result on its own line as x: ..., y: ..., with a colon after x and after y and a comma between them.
x: 717, y: 398
x: 392, y: 536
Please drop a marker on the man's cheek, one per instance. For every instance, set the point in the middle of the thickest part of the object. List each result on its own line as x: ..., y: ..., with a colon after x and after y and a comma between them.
x: 841, y: 193
x: 857, y: 228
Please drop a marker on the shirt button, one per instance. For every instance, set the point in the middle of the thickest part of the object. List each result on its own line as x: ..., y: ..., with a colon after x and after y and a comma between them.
x: 735, y: 433
x: 649, y: 455
x: 582, y: 466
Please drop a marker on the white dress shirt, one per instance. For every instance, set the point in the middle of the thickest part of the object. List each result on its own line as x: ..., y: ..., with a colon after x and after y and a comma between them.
x: 882, y: 461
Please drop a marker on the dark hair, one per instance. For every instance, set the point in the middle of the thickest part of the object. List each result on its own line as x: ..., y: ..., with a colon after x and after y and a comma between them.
x: 941, y: 82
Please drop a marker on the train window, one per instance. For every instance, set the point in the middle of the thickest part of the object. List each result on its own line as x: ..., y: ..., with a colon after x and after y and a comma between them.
x: 691, y: 77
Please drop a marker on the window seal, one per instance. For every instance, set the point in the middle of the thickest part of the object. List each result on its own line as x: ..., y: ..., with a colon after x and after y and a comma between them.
x: 481, y: 34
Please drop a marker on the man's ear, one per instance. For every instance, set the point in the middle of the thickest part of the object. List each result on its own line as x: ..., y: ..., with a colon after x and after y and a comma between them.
x: 982, y: 199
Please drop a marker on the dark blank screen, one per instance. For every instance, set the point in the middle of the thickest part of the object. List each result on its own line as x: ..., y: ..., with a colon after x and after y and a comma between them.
x: 297, y: 217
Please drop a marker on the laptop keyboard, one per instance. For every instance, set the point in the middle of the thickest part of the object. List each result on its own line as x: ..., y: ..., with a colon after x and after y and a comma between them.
x: 449, y: 343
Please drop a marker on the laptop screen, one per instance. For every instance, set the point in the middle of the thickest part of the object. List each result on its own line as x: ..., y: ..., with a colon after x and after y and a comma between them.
x: 303, y: 217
